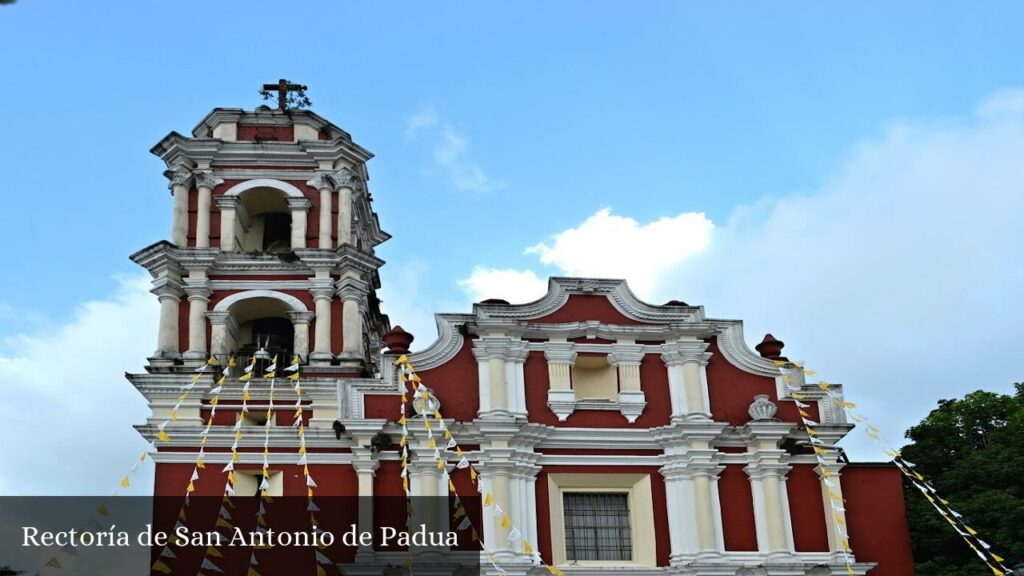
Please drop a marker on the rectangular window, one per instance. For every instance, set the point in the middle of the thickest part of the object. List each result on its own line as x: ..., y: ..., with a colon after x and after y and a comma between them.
x: 597, y: 526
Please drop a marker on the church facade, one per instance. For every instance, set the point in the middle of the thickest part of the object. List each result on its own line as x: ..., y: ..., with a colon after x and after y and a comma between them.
x: 621, y: 436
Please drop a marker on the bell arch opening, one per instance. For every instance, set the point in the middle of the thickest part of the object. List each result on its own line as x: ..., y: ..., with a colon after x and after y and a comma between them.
x: 263, y: 221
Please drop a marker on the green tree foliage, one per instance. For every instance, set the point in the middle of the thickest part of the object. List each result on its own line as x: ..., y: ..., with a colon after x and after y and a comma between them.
x: 972, y: 449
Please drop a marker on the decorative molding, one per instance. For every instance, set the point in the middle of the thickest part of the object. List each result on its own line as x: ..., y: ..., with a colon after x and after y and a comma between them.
x: 288, y: 189
x: 294, y: 303
x: 206, y: 179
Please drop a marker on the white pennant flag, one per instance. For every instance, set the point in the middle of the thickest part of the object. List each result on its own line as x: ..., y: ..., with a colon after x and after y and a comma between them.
x: 464, y: 524
x: 437, y: 454
x: 302, y: 461
x: 321, y: 558
x: 264, y: 485
x: 309, y: 482
x: 224, y: 513
x: 451, y: 443
x: 312, y: 507
x: 262, y: 510
x: 207, y: 565
x: 514, y: 535
x: 405, y: 472
x: 463, y: 463
x: 195, y: 474
x: 168, y: 553
x: 216, y: 390
x: 228, y: 489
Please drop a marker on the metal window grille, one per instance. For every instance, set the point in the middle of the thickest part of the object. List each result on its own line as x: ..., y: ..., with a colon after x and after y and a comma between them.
x: 597, y: 526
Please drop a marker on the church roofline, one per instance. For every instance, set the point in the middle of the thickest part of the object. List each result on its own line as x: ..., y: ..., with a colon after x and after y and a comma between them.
x: 671, y: 321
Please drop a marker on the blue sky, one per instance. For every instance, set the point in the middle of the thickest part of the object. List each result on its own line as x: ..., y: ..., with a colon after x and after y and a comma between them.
x: 845, y: 177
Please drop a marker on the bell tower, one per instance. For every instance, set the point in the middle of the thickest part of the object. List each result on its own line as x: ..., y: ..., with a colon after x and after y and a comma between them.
x: 272, y: 245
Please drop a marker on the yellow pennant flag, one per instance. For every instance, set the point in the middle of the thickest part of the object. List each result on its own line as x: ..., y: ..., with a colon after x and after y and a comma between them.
x: 810, y: 373
x: 125, y: 482
x: 102, y: 510
x: 488, y: 499
x: 320, y: 571
x: 506, y: 522
x: 440, y: 464
x: 460, y: 512
x: 162, y: 436
x: 779, y: 362
x: 797, y: 396
x: 437, y: 414
x: 405, y: 484
x: 554, y: 571
x: 447, y: 434
x: 211, y: 551
x: 252, y: 572
x: 160, y: 566
x: 403, y: 359
x: 54, y: 563
x: 191, y: 488
x: 474, y: 535
x: 222, y: 522
x: 432, y: 443
x: 294, y: 376
x: 527, y: 549
x: 472, y: 474
x: 451, y: 486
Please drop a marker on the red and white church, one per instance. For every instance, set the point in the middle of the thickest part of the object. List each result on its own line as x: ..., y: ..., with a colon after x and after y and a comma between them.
x: 623, y: 437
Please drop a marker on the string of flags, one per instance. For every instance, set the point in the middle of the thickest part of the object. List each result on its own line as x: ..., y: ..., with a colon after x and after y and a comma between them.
x: 440, y: 455
x: 970, y: 536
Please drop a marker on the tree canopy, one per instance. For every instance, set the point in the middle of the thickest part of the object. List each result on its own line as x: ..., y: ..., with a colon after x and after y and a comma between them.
x: 972, y: 450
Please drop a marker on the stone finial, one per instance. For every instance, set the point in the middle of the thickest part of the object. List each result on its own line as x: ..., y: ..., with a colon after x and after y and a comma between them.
x: 762, y: 408
x: 398, y: 341
x: 771, y: 348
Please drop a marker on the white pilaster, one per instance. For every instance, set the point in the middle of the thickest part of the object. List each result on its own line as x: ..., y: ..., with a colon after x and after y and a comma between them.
x: 323, y: 294
x: 686, y: 362
x: 227, y: 206
x: 198, y: 292
x: 205, y: 183
x: 180, y: 184
x: 500, y: 361
x: 299, y: 208
x: 352, y: 292
x: 223, y: 332
x: 560, y: 355
x: 626, y: 357
x: 323, y: 183
x: 169, y: 291
x: 346, y: 182
x: 767, y: 471
x: 300, y: 341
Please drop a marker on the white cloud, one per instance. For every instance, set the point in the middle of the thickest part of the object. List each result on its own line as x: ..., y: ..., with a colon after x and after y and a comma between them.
x: 611, y: 246
x: 68, y: 410
x: 450, y: 149
x: 899, y: 275
x: 419, y: 121
x: 516, y: 286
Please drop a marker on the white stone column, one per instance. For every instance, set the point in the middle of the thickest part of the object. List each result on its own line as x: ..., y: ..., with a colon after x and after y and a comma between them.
x: 323, y: 294
x: 561, y: 355
x: 835, y: 512
x: 180, y: 184
x: 227, y: 206
x: 498, y: 359
x: 691, y: 474
x: 352, y: 292
x: 767, y: 471
x: 168, y: 291
x: 322, y: 182
x: 626, y: 356
x: 300, y: 341
x: 496, y: 478
x: 347, y: 182
x: 223, y: 332
x: 686, y: 362
x: 205, y: 183
x: 366, y: 469
x: 198, y: 292
x: 299, y: 208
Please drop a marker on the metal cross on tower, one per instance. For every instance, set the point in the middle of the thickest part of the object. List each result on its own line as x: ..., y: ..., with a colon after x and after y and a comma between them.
x: 283, y: 87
